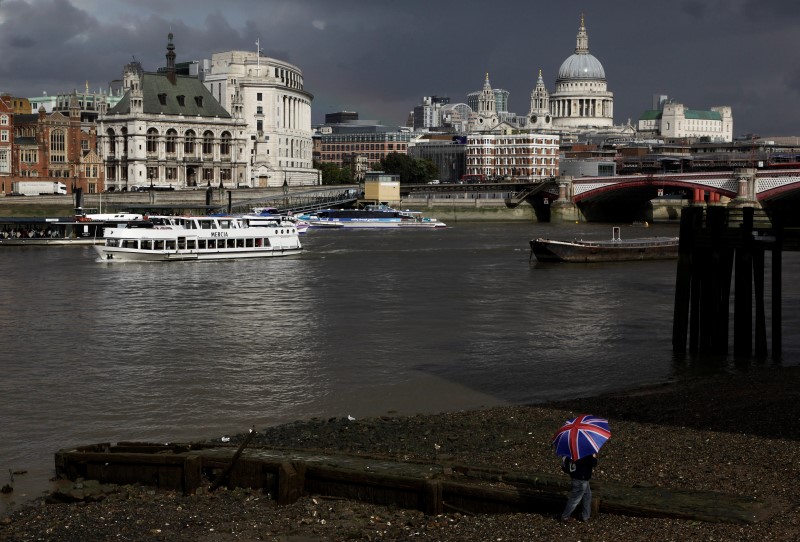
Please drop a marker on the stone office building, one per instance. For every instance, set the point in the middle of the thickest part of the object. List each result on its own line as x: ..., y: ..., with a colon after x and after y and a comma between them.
x: 168, y: 130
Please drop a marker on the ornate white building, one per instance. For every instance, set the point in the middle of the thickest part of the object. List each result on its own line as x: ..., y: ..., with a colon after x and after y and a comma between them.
x: 268, y: 94
x: 582, y: 100
x: 674, y: 120
x: 169, y: 130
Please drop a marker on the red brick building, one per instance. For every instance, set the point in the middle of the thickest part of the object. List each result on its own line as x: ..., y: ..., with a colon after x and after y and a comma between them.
x: 54, y: 147
x: 6, y: 139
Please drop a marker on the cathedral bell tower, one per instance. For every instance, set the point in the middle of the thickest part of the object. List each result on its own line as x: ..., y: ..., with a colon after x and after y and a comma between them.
x: 486, y: 116
x: 539, y: 116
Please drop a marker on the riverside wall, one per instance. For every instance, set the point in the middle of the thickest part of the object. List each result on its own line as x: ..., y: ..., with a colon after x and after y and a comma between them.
x: 445, y: 209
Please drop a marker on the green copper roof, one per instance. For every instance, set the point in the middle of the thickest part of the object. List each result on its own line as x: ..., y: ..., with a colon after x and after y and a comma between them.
x: 702, y: 115
x: 651, y: 114
x: 655, y: 114
x: 188, y: 97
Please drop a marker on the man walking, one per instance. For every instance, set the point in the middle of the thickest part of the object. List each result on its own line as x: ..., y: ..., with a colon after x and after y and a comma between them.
x: 581, y: 472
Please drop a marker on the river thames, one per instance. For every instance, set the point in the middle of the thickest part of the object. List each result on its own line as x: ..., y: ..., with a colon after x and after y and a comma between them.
x: 363, y: 323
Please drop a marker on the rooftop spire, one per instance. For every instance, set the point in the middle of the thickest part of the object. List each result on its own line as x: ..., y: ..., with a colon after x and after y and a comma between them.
x: 582, y: 45
x: 170, y: 60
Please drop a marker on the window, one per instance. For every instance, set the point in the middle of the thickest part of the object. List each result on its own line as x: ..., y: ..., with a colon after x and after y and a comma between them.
x: 162, y: 99
x: 188, y: 143
x: 152, y: 141
x: 181, y: 99
x: 225, y: 144
x: 5, y: 163
x: 259, y: 110
x: 171, y: 142
x: 58, y: 149
x: 4, y: 118
x: 4, y: 135
x: 259, y: 96
x: 199, y: 101
x: 208, y: 142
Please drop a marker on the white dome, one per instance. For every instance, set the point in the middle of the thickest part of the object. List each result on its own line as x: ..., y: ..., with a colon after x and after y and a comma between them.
x: 581, y: 66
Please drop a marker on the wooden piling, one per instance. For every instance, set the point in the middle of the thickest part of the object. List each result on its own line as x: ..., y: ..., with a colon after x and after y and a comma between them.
x: 711, y: 255
x: 683, y: 280
x: 743, y: 308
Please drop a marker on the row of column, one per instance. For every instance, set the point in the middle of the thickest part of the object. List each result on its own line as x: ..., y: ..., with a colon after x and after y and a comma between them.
x: 295, y: 114
x: 581, y: 107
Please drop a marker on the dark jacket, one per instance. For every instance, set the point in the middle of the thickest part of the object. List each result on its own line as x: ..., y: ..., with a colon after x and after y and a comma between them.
x: 582, y: 468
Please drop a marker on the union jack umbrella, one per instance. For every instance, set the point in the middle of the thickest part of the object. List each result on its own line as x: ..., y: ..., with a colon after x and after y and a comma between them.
x: 583, y: 436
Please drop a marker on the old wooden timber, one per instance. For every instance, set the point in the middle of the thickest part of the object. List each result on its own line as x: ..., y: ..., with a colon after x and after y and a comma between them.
x: 713, y: 249
x: 434, y: 488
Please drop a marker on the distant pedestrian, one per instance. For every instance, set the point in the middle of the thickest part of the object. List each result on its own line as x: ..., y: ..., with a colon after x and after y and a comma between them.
x: 581, y: 472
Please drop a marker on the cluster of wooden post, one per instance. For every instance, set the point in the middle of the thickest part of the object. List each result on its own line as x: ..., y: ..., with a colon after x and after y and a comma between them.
x: 710, y: 254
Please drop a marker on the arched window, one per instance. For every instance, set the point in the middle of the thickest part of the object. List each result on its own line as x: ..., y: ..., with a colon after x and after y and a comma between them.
x: 124, y: 140
x: 208, y: 142
x: 171, y: 142
x: 225, y: 144
x: 188, y: 142
x: 112, y: 141
x: 152, y: 141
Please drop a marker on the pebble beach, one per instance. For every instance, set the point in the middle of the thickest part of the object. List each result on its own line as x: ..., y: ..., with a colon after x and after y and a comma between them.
x: 734, y: 433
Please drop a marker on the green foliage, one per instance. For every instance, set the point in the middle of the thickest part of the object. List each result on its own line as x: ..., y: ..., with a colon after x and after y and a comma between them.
x: 332, y: 174
x: 411, y: 170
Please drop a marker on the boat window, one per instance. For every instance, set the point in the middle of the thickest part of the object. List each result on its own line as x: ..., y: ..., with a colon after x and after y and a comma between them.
x: 231, y: 243
x: 249, y: 243
x: 181, y: 243
x: 129, y: 243
x: 224, y: 224
x: 191, y: 244
x: 111, y: 243
x: 205, y: 224
x: 240, y: 243
x: 158, y: 245
x: 201, y: 244
x: 147, y: 244
x: 266, y: 242
x: 259, y: 242
x: 169, y: 244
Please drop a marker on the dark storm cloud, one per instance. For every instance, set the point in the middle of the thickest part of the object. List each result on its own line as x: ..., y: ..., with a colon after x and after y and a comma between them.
x: 379, y: 58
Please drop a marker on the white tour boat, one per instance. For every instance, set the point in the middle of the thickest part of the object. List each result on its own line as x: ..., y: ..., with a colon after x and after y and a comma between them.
x: 176, y: 238
x: 372, y: 216
x: 265, y: 215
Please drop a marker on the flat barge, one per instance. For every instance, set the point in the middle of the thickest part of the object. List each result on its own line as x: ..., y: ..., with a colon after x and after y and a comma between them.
x: 613, y: 250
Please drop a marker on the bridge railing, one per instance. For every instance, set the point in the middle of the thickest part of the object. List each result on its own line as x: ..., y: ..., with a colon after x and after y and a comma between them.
x: 297, y: 202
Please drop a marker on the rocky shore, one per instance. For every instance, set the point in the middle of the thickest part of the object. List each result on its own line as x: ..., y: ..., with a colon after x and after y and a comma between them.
x: 734, y: 433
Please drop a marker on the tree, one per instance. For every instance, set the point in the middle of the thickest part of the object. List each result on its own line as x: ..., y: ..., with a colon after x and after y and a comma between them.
x: 333, y: 174
x: 411, y: 170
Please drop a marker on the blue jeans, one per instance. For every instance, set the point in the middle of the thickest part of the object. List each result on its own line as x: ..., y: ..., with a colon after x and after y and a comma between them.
x: 580, y: 491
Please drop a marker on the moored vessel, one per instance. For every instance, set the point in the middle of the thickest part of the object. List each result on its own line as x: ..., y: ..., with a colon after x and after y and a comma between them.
x: 172, y: 238
x: 614, y: 250
x: 372, y: 216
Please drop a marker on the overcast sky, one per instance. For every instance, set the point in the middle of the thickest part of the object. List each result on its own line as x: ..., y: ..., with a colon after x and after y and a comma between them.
x: 379, y: 57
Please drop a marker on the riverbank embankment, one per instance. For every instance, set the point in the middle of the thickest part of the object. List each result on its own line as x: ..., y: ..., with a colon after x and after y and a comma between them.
x: 726, y: 433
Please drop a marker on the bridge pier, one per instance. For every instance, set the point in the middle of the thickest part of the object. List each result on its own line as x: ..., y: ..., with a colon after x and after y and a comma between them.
x: 563, y: 209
